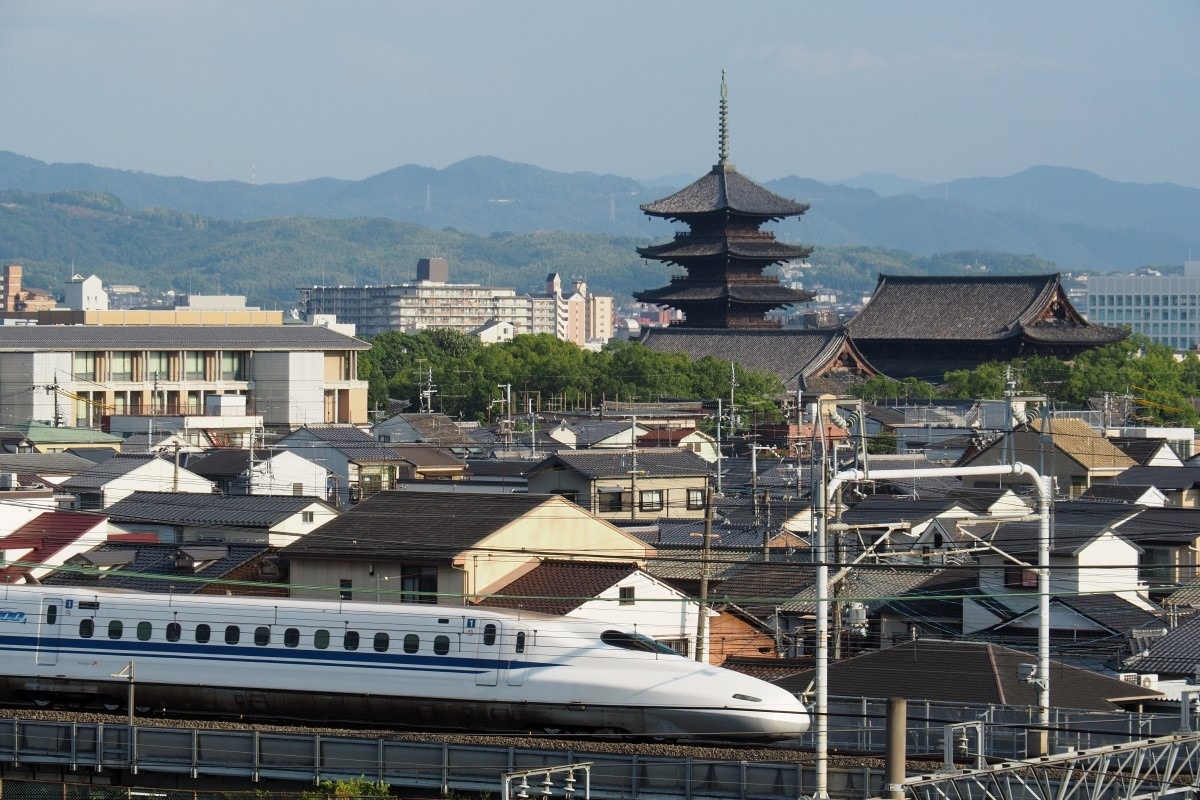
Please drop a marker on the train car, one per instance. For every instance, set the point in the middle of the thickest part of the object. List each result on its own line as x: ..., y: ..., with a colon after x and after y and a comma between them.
x: 418, y: 665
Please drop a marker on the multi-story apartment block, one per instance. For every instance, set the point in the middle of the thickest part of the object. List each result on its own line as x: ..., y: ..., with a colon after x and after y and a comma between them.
x: 433, y: 302
x: 78, y: 375
x: 1164, y: 308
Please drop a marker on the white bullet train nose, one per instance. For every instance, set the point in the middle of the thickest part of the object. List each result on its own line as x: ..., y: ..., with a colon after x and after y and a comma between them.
x: 721, y: 704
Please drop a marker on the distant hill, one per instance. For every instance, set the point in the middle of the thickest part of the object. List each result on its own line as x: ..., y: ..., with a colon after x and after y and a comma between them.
x: 883, y: 184
x: 1074, y: 219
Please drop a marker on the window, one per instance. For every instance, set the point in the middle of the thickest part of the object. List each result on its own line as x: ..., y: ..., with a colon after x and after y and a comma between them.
x: 345, y: 587
x: 233, y: 634
x: 489, y: 634
x: 613, y: 500
x: 382, y: 640
x: 115, y: 629
x: 121, y: 365
x: 233, y: 366
x: 652, y: 500
x: 158, y: 366
x: 86, y: 628
x: 83, y: 366
x: 412, y: 643
x: 298, y: 491
x: 174, y: 631
x: 678, y: 645
x: 418, y: 584
x: 321, y: 639
x: 291, y: 637
x: 262, y: 636
x: 1020, y: 578
x: 144, y: 630
x: 626, y: 595
x: 203, y: 633
x: 193, y: 365
x: 695, y: 499
x: 441, y: 644
x: 350, y: 640
x: 307, y: 516
x: 520, y: 647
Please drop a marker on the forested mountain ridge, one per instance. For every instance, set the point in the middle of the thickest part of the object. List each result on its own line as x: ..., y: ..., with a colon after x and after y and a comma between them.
x: 57, y: 234
x: 1075, y: 219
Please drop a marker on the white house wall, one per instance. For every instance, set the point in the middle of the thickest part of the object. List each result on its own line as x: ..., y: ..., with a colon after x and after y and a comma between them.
x: 657, y: 610
x: 280, y: 474
x: 155, y: 476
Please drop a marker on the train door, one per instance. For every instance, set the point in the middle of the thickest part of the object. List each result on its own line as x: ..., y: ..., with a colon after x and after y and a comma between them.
x: 519, y: 641
x: 487, y: 650
x: 49, y: 625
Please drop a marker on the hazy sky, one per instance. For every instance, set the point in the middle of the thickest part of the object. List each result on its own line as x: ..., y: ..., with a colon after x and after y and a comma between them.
x: 284, y: 90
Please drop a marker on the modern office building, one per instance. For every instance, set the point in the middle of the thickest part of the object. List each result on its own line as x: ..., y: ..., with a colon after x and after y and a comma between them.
x: 1164, y: 308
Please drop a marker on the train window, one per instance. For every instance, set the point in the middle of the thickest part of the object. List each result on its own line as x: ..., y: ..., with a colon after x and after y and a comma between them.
x: 233, y: 634
x: 174, y: 631
x: 441, y: 645
x: 412, y: 643
x: 321, y: 639
x: 262, y: 636
x: 144, y: 629
x: 86, y: 628
x: 521, y: 641
x: 350, y: 640
x: 114, y: 629
x: 381, y: 642
x: 635, y: 641
x: 489, y: 634
x: 51, y: 614
x: 203, y: 633
x: 291, y: 637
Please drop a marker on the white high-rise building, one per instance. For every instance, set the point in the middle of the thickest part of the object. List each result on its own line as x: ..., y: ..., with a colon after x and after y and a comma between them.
x: 433, y: 302
x: 1164, y: 308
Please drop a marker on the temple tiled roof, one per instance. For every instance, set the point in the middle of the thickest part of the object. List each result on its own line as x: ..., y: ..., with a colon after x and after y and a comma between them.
x: 991, y: 308
x: 798, y: 357
x: 724, y: 189
x: 687, y: 247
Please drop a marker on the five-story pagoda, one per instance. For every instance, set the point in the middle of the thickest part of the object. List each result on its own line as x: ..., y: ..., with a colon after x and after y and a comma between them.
x: 724, y: 252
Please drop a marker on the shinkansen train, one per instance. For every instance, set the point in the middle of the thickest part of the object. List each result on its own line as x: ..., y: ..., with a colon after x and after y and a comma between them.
x: 417, y: 665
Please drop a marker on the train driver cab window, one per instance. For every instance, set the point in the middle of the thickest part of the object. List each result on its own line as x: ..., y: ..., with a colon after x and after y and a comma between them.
x: 262, y: 636
x: 441, y: 644
x: 412, y: 643
x: 350, y: 640
x: 321, y: 639
x: 115, y: 628
x: 86, y: 628
x: 233, y: 634
x: 174, y: 631
x: 144, y: 629
x: 203, y: 633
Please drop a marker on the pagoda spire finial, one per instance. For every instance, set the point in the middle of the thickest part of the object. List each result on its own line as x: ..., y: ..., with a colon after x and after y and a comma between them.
x: 723, y: 149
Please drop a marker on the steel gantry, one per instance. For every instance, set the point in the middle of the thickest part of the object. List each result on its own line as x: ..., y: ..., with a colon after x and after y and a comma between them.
x: 1162, y: 767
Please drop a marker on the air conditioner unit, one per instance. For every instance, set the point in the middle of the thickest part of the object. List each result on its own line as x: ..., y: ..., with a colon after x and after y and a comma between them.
x: 1148, y: 681
x: 1129, y: 677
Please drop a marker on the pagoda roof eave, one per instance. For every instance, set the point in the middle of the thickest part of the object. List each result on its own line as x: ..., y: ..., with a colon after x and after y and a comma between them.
x: 724, y: 189
x: 683, y: 248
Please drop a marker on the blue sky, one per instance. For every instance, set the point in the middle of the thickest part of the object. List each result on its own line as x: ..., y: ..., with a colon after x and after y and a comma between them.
x: 279, y: 91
